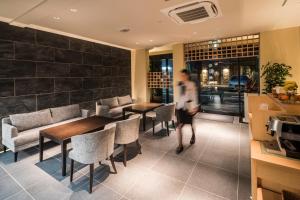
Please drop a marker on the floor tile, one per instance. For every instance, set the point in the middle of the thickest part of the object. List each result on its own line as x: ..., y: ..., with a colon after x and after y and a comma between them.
x: 49, y: 165
x: 191, y: 193
x: 214, y: 180
x: 99, y: 192
x: 49, y: 190
x: 22, y: 195
x: 8, y: 187
x: 28, y: 175
x: 162, y: 143
x: 222, y: 159
x: 2, y: 172
x: 147, y: 159
x: 123, y: 180
x: 155, y: 186
x: 175, y: 167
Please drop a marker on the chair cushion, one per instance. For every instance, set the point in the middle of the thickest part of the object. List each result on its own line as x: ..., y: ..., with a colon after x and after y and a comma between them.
x: 124, y: 100
x: 32, y: 135
x: 31, y: 120
x: 65, y: 112
x: 111, y: 102
x: 151, y: 114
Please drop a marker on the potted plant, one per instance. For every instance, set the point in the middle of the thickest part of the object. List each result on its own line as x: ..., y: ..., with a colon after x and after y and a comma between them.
x: 275, y: 75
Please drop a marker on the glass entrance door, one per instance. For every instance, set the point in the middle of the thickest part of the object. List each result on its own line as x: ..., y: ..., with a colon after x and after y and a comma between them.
x: 222, y: 84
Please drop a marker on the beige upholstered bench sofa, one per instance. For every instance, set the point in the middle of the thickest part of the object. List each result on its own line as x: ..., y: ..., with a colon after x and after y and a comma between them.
x: 21, y: 131
x: 113, y: 107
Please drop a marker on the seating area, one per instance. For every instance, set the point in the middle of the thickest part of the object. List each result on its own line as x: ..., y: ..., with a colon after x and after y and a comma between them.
x: 150, y: 100
x: 21, y: 131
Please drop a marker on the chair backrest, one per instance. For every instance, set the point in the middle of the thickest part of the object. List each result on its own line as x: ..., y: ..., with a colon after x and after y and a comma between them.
x: 127, y: 131
x: 165, y: 113
x: 94, y: 147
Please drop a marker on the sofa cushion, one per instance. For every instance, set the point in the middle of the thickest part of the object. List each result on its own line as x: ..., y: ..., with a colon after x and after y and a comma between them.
x: 65, y: 112
x: 124, y: 100
x: 32, y: 135
x: 114, y: 112
x: 31, y: 120
x: 111, y: 102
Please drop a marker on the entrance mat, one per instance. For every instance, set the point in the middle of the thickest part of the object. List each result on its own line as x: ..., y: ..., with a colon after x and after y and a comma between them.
x: 215, y: 117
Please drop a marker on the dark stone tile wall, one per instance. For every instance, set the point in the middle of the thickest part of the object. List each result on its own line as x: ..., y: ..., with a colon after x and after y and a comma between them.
x: 40, y: 70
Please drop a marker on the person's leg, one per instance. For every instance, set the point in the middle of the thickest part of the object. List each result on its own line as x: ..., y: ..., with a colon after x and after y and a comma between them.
x: 179, y: 137
x: 193, y: 135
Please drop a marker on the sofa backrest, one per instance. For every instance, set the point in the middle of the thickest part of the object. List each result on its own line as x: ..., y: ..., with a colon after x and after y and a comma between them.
x: 31, y: 120
x: 110, y: 102
x: 65, y: 112
x: 125, y: 100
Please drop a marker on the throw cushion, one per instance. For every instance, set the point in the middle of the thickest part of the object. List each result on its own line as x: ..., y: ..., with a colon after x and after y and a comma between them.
x: 65, y: 112
x: 111, y: 102
x: 31, y: 120
x: 124, y: 100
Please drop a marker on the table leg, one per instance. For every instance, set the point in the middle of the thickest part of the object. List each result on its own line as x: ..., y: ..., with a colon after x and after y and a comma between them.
x: 63, y: 158
x: 41, y: 145
x: 144, y: 121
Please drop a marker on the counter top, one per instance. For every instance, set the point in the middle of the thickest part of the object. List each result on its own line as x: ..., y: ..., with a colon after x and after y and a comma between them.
x: 258, y: 153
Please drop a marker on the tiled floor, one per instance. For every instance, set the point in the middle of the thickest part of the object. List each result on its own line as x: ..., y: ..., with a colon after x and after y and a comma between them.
x: 216, y: 167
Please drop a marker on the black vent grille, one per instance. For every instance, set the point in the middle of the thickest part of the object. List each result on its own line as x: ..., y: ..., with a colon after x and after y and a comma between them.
x: 194, y: 14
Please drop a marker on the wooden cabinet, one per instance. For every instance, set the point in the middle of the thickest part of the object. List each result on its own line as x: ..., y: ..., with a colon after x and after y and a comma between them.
x: 270, y: 173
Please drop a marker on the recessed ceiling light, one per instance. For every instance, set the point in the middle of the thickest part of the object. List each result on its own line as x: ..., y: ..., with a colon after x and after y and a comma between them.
x: 124, y: 30
x: 56, y: 18
x: 73, y: 10
x: 137, y: 43
x: 150, y: 40
x: 195, y: 33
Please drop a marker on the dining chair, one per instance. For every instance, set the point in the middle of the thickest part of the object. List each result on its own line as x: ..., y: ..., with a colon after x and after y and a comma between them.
x: 92, y: 148
x: 127, y: 131
x: 163, y: 114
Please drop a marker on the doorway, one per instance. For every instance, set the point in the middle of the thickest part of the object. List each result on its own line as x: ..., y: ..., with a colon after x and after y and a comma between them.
x: 222, y: 83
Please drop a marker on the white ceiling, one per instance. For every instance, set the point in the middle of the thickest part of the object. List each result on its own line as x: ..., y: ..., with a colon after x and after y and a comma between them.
x: 102, y: 19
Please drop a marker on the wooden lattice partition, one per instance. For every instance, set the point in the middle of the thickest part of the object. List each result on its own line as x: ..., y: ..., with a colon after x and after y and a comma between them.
x: 234, y: 47
x: 159, y: 80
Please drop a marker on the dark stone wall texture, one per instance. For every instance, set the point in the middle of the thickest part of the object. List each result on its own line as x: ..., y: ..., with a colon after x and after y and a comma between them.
x: 40, y: 70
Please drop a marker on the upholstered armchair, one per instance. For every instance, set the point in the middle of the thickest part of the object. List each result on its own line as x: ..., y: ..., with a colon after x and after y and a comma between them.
x: 163, y: 114
x: 127, y: 131
x: 92, y: 148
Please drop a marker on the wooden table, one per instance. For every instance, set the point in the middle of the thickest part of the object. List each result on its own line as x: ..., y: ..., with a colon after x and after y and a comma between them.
x: 141, y: 108
x: 62, y: 134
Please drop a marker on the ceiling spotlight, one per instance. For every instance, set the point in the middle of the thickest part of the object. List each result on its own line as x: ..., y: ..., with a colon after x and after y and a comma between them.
x: 124, y: 30
x: 73, y: 10
x: 150, y: 40
x: 56, y: 18
x: 284, y: 2
x: 137, y: 43
x: 195, y: 33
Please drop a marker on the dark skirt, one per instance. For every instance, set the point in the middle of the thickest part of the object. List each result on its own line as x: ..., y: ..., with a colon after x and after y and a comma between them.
x: 183, y: 117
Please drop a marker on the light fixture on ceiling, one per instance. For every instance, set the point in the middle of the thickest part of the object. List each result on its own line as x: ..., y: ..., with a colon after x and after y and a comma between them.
x: 124, y: 30
x: 284, y: 3
x: 74, y: 10
x: 194, y: 32
x: 137, y: 43
x: 56, y: 18
x: 150, y: 40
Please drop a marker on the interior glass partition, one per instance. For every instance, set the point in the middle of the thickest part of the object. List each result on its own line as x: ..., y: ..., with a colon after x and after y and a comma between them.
x: 222, y: 83
x: 164, y: 65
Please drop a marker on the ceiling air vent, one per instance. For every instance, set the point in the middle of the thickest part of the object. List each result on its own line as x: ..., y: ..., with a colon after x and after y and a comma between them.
x: 193, y: 12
